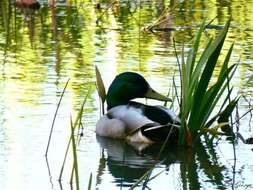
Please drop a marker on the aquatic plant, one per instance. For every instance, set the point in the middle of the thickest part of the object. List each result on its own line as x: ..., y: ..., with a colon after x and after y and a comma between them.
x: 100, y: 88
x: 198, y: 96
x: 76, y: 125
x: 55, y: 114
x: 75, y: 162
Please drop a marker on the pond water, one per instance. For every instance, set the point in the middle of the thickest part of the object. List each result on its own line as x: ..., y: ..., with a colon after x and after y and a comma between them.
x: 40, y: 50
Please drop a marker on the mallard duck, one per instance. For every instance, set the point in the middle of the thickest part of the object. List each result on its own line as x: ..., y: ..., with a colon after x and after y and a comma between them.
x: 134, y: 121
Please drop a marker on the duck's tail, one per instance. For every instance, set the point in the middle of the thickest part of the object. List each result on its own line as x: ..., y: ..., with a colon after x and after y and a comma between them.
x: 161, y: 133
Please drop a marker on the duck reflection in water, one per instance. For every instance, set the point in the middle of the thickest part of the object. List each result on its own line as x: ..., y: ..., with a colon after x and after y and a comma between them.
x: 127, y: 163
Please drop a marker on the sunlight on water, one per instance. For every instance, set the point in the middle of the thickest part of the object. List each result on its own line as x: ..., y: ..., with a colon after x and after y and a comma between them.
x: 41, y: 49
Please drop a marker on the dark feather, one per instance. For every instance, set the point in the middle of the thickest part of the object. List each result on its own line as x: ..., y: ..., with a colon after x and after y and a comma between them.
x: 160, y: 133
x: 154, y: 113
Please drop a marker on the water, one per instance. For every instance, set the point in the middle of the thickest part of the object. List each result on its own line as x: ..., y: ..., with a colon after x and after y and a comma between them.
x: 41, y: 50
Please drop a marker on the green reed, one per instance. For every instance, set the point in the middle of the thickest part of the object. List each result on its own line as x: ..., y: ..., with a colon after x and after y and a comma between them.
x: 76, y: 125
x: 198, y: 96
x: 100, y: 88
x: 90, y: 182
x: 75, y: 162
x: 55, y: 114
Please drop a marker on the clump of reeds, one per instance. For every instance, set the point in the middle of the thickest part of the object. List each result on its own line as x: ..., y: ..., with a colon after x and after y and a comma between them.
x: 198, y: 96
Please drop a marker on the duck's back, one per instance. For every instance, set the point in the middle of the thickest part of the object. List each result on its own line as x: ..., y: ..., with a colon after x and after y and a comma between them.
x: 157, y: 114
x: 133, y: 117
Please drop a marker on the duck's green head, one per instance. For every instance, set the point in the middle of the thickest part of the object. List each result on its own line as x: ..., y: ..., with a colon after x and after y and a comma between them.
x: 127, y: 86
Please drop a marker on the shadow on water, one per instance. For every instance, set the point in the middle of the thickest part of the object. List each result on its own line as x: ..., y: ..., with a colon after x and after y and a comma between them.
x: 127, y: 163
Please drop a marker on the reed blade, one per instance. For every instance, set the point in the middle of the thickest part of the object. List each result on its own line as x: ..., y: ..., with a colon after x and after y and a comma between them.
x: 100, y: 85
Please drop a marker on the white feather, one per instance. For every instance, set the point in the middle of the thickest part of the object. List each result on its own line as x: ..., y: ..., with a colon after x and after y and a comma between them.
x: 131, y: 116
x: 113, y: 128
x: 120, y: 121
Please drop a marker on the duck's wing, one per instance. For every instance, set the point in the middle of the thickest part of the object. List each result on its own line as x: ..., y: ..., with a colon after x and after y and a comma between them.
x: 161, y: 115
x: 132, y: 117
x: 120, y: 121
x: 161, y: 132
x: 154, y: 132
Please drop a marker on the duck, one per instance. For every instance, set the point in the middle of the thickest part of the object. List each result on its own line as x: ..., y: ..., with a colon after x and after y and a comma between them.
x: 134, y: 121
x: 31, y: 4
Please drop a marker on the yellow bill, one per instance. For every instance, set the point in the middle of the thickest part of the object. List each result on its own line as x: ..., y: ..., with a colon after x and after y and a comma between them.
x: 152, y: 94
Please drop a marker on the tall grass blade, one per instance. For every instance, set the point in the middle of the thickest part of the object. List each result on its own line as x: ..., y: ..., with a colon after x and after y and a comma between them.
x: 226, y: 113
x: 181, y: 101
x: 64, y: 159
x: 214, y: 118
x: 141, y: 179
x: 180, y: 72
x: 212, y: 96
x: 216, y: 91
x: 77, y: 123
x: 199, y: 67
x: 100, y: 87
x: 90, y: 182
x: 74, y: 151
x: 199, y: 94
x: 58, y: 105
x: 192, y: 55
x: 145, y: 183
